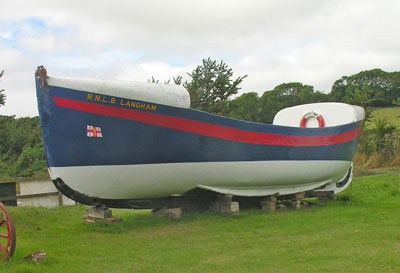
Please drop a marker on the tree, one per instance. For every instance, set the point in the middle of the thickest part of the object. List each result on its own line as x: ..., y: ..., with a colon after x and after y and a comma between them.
x: 396, y: 101
x: 368, y: 88
x: 177, y: 80
x: 295, y: 93
x: 31, y: 161
x: 2, y: 96
x: 152, y: 80
x: 245, y: 107
x: 287, y: 95
x: 211, y: 84
x: 21, y: 147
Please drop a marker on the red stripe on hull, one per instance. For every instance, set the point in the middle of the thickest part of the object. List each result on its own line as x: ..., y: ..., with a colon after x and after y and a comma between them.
x: 206, y: 129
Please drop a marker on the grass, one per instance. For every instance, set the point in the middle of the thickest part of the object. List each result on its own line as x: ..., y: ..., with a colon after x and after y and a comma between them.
x: 359, y: 232
x: 391, y: 114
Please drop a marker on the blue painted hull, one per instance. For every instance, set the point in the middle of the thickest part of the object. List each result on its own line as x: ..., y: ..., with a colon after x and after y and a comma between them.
x: 126, y: 141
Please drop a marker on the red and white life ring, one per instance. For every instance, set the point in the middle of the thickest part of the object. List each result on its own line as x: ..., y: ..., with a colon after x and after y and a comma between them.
x: 312, y: 114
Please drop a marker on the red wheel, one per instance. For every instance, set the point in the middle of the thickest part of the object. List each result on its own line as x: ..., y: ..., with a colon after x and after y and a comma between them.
x: 8, y: 238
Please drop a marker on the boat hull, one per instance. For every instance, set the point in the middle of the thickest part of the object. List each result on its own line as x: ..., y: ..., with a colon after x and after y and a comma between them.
x: 104, y: 147
x: 244, y: 178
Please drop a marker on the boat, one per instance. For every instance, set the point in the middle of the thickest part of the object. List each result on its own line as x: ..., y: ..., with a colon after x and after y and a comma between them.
x: 128, y: 144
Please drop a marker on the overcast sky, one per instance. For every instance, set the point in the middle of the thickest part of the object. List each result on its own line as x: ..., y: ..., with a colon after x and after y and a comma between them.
x: 272, y: 41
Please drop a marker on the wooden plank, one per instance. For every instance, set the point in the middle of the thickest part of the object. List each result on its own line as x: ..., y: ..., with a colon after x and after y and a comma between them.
x: 41, y: 187
x: 60, y: 199
x: 6, y: 198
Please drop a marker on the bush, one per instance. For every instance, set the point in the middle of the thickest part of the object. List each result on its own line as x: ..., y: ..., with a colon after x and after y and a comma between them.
x: 31, y: 161
x: 379, y: 147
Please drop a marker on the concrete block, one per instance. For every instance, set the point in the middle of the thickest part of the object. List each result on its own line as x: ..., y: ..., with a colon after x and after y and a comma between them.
x: 268, y: 203
x: 235, y: 207
x: 174, y: 213
x: 96, y: 212
x: 224, y: 207
x: 299, y: 197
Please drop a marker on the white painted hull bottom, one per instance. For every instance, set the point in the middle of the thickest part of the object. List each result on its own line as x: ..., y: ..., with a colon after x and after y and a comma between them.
x: 248, y: 178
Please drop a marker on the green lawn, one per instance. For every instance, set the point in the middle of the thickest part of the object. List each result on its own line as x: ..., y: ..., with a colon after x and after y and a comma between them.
x: 391, y: 114
x: 359, y: 232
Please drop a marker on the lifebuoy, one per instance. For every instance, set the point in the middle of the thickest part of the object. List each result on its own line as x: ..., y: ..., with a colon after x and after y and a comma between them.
x: 312, y: 114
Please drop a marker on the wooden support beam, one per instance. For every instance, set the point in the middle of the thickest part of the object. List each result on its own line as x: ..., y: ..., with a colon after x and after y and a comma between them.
x: 25, y: 196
